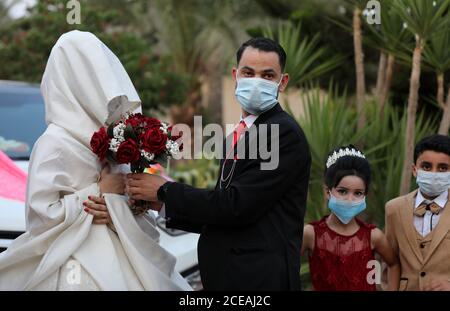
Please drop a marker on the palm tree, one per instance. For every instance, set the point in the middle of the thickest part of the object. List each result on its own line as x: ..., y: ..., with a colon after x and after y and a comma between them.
x: 358, y: 7
x: 423, y: 18
x: 392, y: 39
x: 437, y: 58
x: 307, y: 60
x: 445, y: 122
x: 200, y: 36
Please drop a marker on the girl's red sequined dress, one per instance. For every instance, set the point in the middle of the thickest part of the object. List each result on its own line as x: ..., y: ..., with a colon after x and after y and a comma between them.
x: 339, y: 262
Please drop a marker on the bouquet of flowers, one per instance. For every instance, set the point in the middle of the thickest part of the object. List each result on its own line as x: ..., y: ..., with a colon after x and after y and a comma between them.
x: 137, y: 140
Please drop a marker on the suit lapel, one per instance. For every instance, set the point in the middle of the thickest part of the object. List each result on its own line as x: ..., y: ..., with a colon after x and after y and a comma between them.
x: 246, y: 139
x: 440, y: 231
x: 407, y: 221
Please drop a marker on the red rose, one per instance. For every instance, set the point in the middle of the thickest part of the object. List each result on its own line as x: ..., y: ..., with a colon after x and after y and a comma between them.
x: 100, y: 143
x: 135, y: 120
x: 152, y: 123
x: 154, y: 141
x: 128, y: 152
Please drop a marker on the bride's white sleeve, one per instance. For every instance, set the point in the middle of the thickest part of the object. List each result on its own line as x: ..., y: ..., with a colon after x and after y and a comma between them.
x: 52, y: 194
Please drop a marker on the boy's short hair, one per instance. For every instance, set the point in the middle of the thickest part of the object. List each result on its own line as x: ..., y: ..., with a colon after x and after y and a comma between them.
x: 437, y: 143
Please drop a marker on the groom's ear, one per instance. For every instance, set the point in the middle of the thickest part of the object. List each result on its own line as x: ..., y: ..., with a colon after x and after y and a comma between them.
x: 284, y: 82
x: 233, y: 74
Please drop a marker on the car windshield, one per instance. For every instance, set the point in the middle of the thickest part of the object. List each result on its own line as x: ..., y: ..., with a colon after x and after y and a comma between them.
x: 22, y: 120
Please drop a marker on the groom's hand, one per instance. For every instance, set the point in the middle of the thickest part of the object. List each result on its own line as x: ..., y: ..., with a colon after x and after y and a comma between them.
x: 144, y: 186
x: 156, y: 206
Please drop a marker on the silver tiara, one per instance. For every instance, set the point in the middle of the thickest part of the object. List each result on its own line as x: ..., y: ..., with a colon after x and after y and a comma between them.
x: 342, y: 153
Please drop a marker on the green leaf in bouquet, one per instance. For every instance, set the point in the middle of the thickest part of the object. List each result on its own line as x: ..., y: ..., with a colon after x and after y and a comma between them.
x: 111, y: 157
x: 161, y: 159
x: 137, y: 167
x: 145, y: 163
x: 129, y: 133
x: 110, y: 130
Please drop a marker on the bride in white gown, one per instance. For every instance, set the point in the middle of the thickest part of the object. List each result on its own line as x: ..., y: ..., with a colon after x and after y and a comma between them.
x: 84, y: 86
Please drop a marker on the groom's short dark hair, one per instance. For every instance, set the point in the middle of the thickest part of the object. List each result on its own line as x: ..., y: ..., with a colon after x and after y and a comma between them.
x: 266, y: 45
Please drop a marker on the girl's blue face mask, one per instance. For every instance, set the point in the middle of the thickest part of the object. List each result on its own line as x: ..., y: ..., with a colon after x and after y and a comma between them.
x: 346, y: 210
x: 256, y: 95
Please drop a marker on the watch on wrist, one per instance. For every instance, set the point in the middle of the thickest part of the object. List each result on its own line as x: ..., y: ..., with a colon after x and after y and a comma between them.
x: 162, y: 192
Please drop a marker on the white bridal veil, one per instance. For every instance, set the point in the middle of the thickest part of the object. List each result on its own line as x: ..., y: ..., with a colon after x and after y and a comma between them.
x: 84, y: 87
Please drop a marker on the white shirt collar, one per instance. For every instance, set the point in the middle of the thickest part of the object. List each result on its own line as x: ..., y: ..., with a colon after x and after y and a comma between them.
x: 441, y: 200
x: 249, y: 120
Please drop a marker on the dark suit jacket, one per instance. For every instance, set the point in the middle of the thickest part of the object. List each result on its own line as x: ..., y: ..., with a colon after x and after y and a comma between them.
x: 251, y: 232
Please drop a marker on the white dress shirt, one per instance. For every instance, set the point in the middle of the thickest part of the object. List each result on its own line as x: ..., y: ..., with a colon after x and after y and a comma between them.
x: 424, y: 225
x: 249, y: 120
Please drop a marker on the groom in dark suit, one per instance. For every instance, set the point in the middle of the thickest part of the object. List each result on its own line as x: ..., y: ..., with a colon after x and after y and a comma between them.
x: 251, y: 224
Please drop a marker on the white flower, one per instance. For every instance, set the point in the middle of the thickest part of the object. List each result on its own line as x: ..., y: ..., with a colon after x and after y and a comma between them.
x: 128, y: 114
x: 114, y: 144
x: 405, y: 25
x: 147, y: 155
x: 172, y: 147
x: 119, y: 132
x: 164, y: 127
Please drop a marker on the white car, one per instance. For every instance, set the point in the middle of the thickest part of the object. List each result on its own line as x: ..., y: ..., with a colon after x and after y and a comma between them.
x: 21, y: 123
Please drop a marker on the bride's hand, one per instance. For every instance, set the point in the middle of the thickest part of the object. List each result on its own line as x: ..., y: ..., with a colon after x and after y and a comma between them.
x: 111, y: 183
x: 97, y: 207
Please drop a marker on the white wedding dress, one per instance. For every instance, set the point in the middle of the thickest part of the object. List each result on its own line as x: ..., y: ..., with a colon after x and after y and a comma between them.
x: 84, y: 87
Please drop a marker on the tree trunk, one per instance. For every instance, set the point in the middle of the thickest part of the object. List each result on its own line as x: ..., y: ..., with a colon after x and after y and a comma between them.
x: 411, y: 118
x: 445, y: 122
x: 215, y: 95
x: 440, y: 90
x: 387, y: 83
x: 381, y: 76
x: 359, y: 63
x: 184, y: 114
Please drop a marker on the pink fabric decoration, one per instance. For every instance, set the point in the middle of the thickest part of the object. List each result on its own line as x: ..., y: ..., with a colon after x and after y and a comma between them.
x: 13, y: 181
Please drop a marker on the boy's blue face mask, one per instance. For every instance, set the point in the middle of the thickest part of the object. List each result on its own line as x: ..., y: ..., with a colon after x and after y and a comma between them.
x: 432, y: 183
x: 256, y: 95
x: 346, y: 210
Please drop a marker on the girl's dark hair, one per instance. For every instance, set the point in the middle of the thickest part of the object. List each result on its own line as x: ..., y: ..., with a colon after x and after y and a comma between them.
x: 348, y: 165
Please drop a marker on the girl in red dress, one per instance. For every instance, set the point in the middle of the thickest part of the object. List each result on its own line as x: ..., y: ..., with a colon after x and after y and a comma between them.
x: 341, y: 247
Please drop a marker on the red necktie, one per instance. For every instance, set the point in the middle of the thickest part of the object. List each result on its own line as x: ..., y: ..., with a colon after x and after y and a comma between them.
x: 236, y: 135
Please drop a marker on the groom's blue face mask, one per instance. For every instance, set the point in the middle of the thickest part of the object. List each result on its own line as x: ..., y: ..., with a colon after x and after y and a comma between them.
x: 256, y: 95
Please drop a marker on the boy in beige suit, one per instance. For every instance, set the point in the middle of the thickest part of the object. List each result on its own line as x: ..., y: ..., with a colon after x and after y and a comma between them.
x: 418, y: 224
